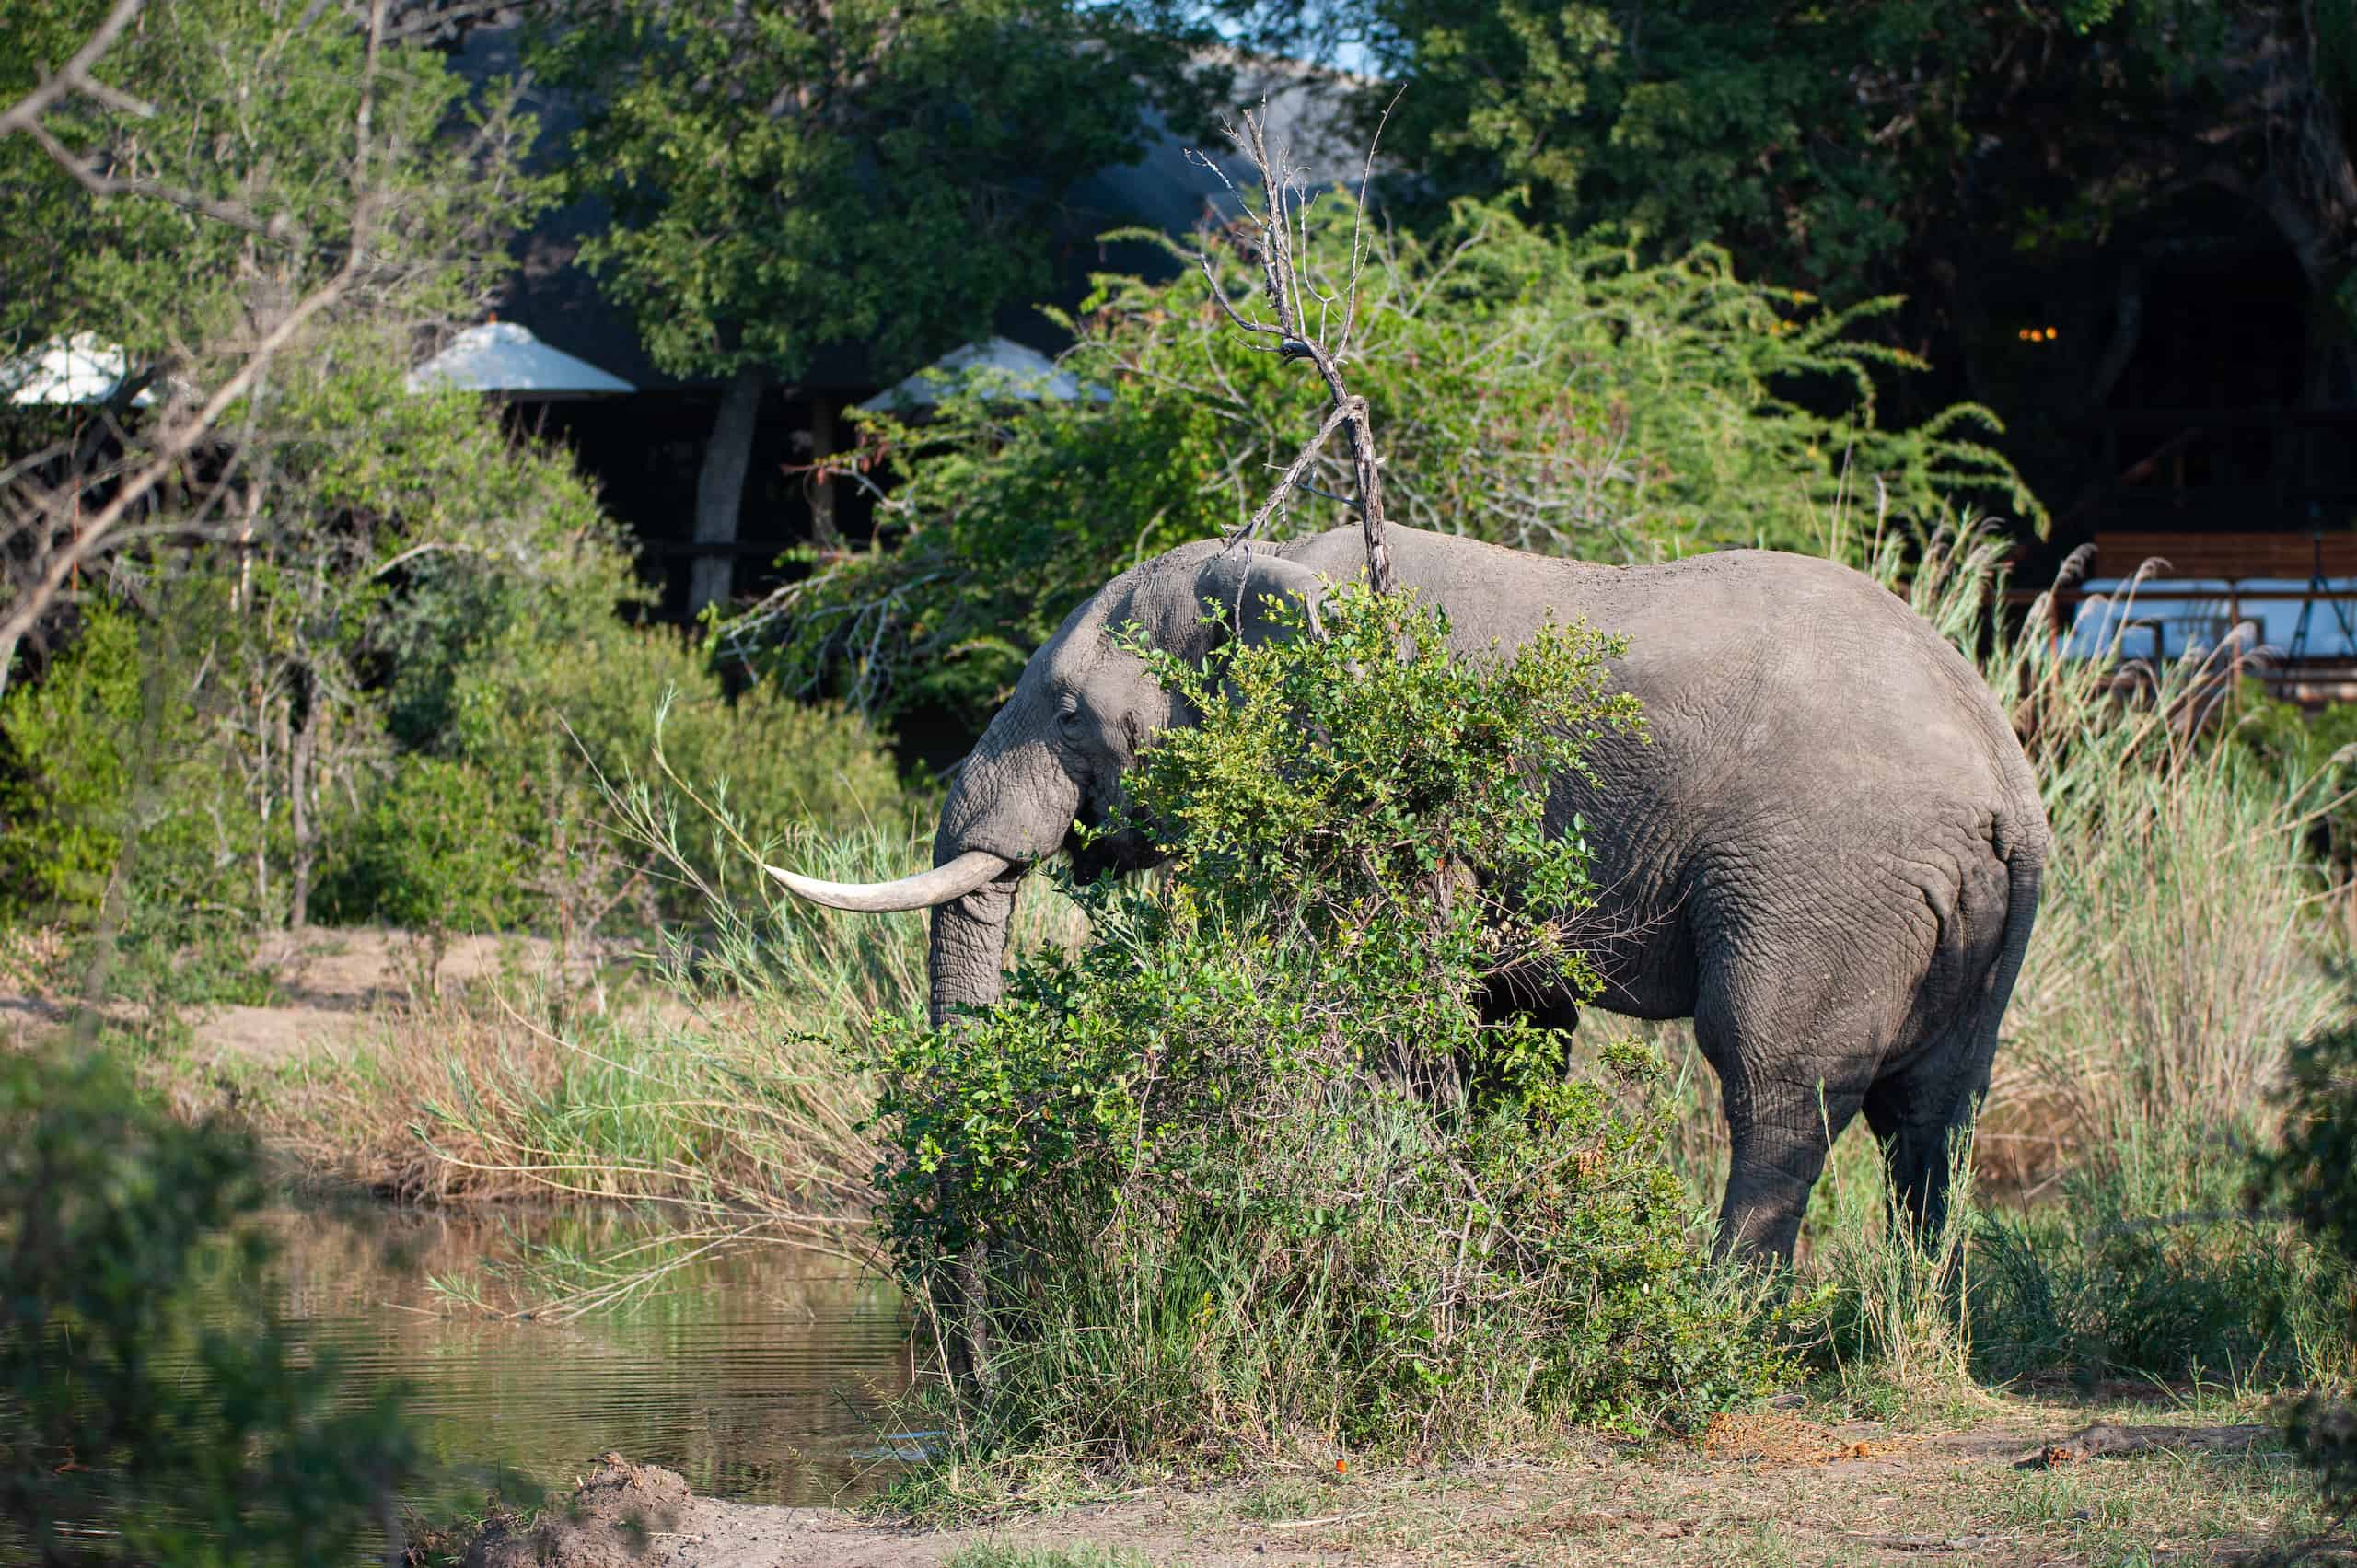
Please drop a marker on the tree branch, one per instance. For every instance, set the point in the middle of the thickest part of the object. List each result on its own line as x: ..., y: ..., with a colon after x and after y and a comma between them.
x: 88, y: 538
x: 1280, y: 234
x: 75, y: 78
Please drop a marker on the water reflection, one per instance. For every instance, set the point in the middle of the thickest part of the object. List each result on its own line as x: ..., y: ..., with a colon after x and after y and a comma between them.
x: 756, y: 1377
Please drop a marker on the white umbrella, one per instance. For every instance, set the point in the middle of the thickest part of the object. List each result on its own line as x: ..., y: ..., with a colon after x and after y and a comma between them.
x: 67, y: 371
x: 1021, y: 372
x: 501, y: 356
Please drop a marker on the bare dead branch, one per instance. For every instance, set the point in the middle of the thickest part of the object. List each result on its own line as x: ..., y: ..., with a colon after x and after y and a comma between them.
x: 75, y: 77
x: 1281, y: 233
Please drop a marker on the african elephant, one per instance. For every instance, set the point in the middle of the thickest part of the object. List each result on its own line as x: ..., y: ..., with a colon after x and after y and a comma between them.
x: 1828, y: 856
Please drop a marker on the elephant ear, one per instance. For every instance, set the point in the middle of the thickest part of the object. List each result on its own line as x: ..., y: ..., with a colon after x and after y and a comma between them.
x: 1241, y: 583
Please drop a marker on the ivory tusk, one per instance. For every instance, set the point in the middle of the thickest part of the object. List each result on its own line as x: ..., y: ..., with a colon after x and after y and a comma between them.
x: 923, y: 890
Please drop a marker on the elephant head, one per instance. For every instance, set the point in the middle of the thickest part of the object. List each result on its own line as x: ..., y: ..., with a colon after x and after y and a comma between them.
x: 1052, y: 759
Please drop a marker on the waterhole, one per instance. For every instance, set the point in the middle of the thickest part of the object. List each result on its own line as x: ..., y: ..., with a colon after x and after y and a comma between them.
x: 759, y: 1375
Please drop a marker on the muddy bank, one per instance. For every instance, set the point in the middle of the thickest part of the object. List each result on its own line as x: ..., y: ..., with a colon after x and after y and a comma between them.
x: 2030, y: 1486
x: 627, y: 1516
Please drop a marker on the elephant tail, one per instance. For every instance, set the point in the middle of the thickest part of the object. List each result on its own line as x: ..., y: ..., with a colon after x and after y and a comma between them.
x: 2025, y: 857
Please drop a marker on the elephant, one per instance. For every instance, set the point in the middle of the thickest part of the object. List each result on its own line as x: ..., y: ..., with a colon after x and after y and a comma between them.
x: 1827, y: 854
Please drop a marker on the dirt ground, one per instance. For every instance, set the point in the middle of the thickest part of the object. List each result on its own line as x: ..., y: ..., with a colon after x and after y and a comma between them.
x: 333, y: 987
x: 2035, y: 1483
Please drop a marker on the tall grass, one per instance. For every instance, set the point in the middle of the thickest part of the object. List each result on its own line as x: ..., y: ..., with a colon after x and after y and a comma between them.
x: 2176, y: 954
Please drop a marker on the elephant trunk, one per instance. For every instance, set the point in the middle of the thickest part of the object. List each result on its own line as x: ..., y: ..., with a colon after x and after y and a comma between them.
x: 1011, y: 801
x: 969, y: 950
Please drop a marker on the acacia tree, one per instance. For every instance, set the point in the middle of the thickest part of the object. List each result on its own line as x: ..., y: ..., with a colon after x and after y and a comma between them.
x: 789, y: 179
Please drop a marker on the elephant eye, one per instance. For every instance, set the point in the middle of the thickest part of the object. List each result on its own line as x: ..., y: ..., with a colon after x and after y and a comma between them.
x: 1069, y: 715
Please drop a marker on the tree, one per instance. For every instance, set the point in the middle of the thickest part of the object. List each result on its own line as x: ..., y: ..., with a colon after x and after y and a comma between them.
x: 244, y: 196
x: 817, y: 175
x: 1976, y: 157
x: 270, y: 208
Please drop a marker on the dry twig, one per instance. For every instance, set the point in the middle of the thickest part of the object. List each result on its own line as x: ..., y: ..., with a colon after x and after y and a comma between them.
x: 1290, y: 288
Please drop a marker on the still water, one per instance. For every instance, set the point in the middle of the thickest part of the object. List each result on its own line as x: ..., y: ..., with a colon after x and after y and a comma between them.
x: 759, y: 1376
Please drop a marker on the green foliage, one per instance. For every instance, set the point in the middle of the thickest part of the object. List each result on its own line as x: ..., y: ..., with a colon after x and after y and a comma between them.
x: 271, y: 666
x: 792, y: 764
x: 253, y: 103
x: 816, y: 175
x: 496, y: 822
x: 2152, y: 1265
x: 1840, y: 144
x: 213, y: 1443
x: 70, y: 741
x: 2316, y: 1172
x: 115, y: 780
x: 441, y: 845
x: 1255, y: 1165
x: 1566, y: 398
x: 2308, y: 758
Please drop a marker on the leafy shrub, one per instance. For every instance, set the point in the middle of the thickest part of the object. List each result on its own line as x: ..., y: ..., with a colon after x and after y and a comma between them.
x: 216, y: 1443
x: 109, y: 713
x: 114, y: 779
x: 792, y: 764
x: 440, y: 846
x: 1253, y: 1165
x: 2316, y: 1172
x: 497, y: 823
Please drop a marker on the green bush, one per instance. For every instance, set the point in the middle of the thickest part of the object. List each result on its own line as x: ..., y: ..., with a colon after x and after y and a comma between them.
x: 2316, y: 1172
x: 114, y: 777
x: 213, y: 1443
x: 440, y: 846
x: 1252, y: 1167
x: 114, y: 710
x: 499, y: 819
x: 2152, y: 1263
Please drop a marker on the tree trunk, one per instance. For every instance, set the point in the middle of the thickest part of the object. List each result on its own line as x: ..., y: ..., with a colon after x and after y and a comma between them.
x: 720, y: 487
x: 823, y: 531
x: 300, y: 755
x: 2127, y: 334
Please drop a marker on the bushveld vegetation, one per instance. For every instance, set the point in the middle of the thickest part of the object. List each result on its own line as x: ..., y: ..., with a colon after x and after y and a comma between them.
x: 393, y: 681
x: 1571, y: 397
x: 2141, y: 1254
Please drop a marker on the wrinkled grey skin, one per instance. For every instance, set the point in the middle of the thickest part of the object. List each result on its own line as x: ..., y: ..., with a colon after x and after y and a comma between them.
x: 1829, y: 856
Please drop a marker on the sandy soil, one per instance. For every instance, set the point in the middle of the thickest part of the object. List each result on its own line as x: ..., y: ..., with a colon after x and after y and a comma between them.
x: 1770, y: 1488
x: 334, y: 986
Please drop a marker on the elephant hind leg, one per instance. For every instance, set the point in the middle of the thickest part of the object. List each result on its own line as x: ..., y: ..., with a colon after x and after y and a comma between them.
x: 1922, y: 1119
x: 1777, y: 1150
x: 1795, y: 1061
